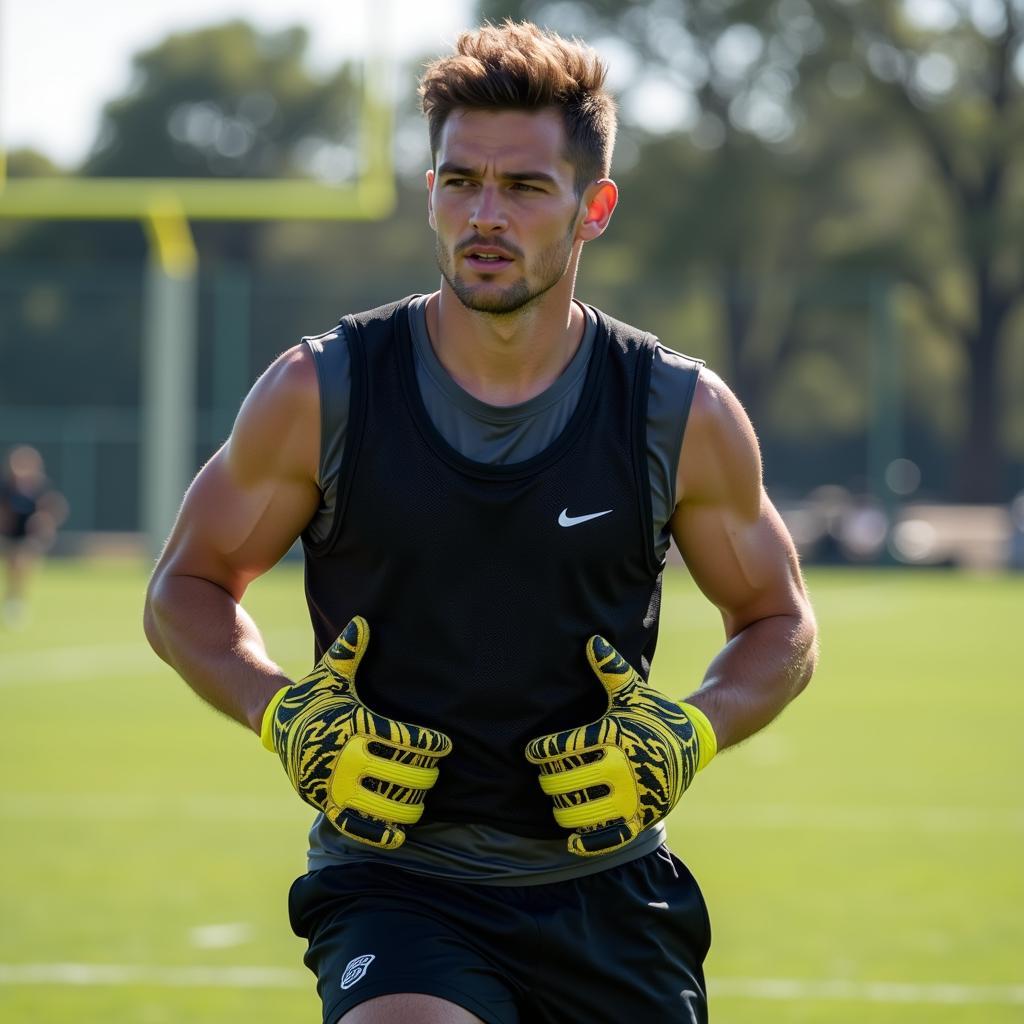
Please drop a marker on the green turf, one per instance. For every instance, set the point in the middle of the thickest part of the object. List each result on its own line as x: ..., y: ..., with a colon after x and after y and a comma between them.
x: 874, y: 834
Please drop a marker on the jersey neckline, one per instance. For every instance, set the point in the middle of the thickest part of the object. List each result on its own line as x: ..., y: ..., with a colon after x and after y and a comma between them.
x: 498, y: 415
x: 441, y: 447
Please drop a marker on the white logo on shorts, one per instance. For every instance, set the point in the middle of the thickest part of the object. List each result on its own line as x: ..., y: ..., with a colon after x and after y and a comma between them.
x: 355, y: 969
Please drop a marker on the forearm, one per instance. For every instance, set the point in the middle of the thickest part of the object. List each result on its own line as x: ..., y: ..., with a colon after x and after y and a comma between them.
x: 213, y: 644
x: 758, y: 672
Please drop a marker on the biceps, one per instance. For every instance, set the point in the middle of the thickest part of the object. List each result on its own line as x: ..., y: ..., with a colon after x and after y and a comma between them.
x: 230, y: 532
x: 746, y: 566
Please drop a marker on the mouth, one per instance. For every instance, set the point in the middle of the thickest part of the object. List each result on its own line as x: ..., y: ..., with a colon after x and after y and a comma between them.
x: 488, y: 260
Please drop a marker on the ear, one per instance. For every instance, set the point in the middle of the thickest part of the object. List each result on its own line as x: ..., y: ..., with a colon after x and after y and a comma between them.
x: 598, y: 203
x: 430, y: 199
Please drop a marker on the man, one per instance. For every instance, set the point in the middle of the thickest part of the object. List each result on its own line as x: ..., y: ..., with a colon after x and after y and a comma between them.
x: 488, y: 478
x: 31, y: 512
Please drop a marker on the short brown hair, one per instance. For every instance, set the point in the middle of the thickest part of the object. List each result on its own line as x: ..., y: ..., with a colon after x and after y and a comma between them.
x: 518, y: 66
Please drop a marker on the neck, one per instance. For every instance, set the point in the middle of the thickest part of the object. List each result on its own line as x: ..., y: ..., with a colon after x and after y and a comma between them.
x: 509, y: 358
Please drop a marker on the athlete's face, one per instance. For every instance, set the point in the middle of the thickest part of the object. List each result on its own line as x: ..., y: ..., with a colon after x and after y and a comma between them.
x: 504, y: 207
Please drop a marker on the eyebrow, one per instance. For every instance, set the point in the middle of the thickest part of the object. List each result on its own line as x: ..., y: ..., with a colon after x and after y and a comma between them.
x: 472, y: 172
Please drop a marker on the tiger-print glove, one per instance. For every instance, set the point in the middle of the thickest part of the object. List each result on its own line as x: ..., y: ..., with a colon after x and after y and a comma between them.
x: 367, y: 773
x: 613, y: 778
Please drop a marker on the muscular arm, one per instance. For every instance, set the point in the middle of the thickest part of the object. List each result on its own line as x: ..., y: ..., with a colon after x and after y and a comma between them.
x: 241, y: 514
x: 742, y: 557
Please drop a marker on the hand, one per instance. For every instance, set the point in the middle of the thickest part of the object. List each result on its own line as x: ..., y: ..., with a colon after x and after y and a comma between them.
x: 615, y: 777
x: 367, y: 773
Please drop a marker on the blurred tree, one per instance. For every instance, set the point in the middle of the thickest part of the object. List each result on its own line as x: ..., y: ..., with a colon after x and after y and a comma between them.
x: 711, y: 199
x: 232, y: 102
x: 30, y: 162
x: 853, y: 136
x: 948, y: 76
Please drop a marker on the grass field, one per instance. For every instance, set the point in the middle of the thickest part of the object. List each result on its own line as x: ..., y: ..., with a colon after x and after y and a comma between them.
x: 863, y: 858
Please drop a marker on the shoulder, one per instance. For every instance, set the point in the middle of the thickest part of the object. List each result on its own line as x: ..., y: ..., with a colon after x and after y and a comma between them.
x: 338, y: 338
x: 625, y: 337
x: 675, y: 372
x: 673, y: 382
x: 319, y: 343
x: 287, y: 382
x: 720, y: 458
x: 278, y: 426
x: 379, y: 316
x: 674, y: 368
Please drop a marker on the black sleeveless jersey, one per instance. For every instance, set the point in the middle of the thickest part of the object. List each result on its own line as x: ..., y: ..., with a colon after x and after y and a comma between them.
x: 482, y: 584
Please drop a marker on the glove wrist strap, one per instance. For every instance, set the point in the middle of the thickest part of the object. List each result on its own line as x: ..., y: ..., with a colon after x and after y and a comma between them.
x: 707, y: 742
x: 267, y: 725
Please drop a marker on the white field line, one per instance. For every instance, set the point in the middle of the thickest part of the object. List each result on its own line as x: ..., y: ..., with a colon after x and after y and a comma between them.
x: 70, y: 664
x: 108, y: 807
x: 103, y: 662
x: 159, y: 977
x: 216, y: 807
x: 871, y: 818
x: 774, y: 989
x: 838, y: 990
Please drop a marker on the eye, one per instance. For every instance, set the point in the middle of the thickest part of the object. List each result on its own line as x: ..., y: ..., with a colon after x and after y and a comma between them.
x: 457, y: 182
x: 521, y: 186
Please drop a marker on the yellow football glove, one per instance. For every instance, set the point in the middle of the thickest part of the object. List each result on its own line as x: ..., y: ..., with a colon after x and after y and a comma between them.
x: 367, y: 773
x: 613, y: 778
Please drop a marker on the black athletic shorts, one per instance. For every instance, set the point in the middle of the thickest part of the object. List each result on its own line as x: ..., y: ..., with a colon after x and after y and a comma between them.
x: 626, y: 944
x: 15, y: 529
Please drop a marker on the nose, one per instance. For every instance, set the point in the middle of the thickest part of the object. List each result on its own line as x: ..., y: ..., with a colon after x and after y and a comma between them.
x: 488, y: 214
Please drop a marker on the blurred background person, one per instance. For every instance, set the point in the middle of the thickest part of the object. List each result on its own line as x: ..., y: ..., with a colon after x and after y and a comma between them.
x: 31, y: 511
x: 1017, y: 532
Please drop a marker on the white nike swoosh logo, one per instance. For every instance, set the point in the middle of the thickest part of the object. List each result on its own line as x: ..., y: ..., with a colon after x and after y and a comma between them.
x: 658, y: 906
x: 564, y: 519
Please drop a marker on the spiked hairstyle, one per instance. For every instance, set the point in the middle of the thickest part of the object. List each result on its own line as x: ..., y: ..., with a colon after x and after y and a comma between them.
x: 518, y: 66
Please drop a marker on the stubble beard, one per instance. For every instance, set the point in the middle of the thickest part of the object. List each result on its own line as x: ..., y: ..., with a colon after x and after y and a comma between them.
x: 551, y: 266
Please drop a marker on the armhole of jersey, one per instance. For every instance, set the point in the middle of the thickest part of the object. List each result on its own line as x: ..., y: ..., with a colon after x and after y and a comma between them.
x: 641, y: 390
x: 673, y: 384
x: 350, y: 337
x: 693, y: 375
